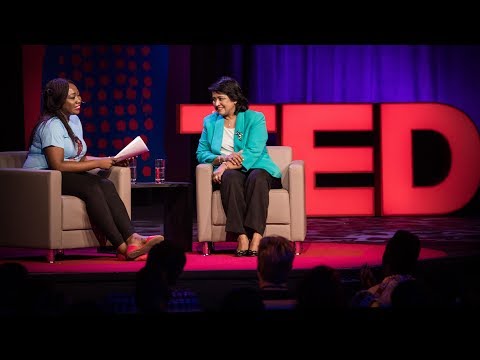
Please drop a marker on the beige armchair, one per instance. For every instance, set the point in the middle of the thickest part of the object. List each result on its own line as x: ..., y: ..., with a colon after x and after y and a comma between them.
x: 36, y: 215
x: 286, y: 210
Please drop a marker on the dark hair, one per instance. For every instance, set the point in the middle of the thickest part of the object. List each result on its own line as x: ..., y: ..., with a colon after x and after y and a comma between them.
x: 167, y: 257
x: 154, y: 282
x: 275, y: 259
x: 320, y: 288
x: 232, y: 89
x: 54, y: 97
x: 401, y: 253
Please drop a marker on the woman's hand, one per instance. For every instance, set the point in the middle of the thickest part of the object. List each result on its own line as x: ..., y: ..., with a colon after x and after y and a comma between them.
x: 123, y: 163
x: 217, y: 174
x: 105, y: 163
x: 235, y: 158
x: 367, y: 279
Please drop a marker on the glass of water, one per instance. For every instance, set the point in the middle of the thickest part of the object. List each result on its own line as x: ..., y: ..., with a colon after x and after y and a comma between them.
x: 160, y: 171
x: 132, y: 164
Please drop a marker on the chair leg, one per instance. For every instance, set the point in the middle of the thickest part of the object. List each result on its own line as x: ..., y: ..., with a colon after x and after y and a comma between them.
x: 298, y: 247
x: 51, y: 256
x: 59, y: 254
x: 206, y: 248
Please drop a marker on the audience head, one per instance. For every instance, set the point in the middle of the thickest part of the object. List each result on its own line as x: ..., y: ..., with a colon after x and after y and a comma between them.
x: 401, y: 253
x: 12, y: 274
x: 230, y: 87
x: 275, y: 259
x: 165, y: 263
x: 167, y: 257
x: 321, y: 288
x: 13, y: 286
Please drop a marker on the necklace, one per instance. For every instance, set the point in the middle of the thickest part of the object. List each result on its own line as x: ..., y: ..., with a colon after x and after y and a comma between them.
x: 230, y: 123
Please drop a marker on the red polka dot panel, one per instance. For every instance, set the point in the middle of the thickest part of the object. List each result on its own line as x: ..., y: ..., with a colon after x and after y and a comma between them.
x: 117, y: 84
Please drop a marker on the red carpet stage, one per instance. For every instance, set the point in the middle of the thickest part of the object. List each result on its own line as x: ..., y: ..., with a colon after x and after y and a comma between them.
x: 339, y: 256
x: 449, y: 257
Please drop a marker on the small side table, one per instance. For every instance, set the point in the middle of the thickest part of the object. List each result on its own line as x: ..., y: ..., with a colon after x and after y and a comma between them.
x: 176, y: 198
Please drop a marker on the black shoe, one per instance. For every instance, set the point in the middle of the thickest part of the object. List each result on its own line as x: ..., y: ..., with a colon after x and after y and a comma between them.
x: 239, y: 253
x: 252, y: 253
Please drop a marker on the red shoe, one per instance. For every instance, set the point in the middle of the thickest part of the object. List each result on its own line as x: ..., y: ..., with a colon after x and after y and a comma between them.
x: 149, y: 238
x: 122, y: 257
x: 134, y: 251
x: 141, y: 258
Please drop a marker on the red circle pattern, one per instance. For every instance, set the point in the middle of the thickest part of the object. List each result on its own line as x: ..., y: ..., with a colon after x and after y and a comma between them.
x: 115, y: 83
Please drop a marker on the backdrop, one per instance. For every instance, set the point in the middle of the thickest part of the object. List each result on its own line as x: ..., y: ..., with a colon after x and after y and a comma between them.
x: 135, y: 89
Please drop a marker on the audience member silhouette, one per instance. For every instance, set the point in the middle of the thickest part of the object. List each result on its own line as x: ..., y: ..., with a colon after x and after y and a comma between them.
x: 154, y: 282
x: 14, y: 288
x: 274, y: 264
x: 399, y: 264
x: 21, y: 296
x: 408, y: 294
x: 321, y: 289
x: 243, y: 300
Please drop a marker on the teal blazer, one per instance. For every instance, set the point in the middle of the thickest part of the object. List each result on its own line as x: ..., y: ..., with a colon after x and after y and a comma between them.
x: 250, y: 136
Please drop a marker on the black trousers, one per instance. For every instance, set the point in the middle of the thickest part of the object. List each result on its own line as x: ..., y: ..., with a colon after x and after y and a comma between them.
x: 245, y: 199
x: 104, y: 207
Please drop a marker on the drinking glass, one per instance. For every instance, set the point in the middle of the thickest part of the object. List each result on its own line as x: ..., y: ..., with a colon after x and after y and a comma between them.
x: 132, y: 164
x: 160, y: 171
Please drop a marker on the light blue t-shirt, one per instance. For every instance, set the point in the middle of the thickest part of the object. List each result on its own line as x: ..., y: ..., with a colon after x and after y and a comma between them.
x: 53, y: 133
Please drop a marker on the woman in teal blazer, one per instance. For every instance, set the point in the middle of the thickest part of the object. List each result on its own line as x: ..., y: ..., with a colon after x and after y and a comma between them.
x: 234, y: 141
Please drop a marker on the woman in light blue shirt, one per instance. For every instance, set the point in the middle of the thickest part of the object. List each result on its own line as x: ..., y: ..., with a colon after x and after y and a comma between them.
x: 57, y: 144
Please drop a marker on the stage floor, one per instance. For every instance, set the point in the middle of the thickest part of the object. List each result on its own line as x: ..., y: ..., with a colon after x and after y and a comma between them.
x: 455, y: 235
x: 341, y: 242
x: 88, y: 261
x: 450, y: 252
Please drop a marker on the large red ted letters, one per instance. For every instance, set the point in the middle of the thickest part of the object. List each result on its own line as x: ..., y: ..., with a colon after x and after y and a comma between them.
x: 398, y: 196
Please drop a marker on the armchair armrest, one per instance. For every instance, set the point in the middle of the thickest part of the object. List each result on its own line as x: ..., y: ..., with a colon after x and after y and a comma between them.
x: 296, y: 190
x: 203, y: 176
x: 31, y: 208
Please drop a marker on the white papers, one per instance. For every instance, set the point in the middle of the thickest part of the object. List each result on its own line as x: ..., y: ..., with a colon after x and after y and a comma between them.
x: 134, y: 148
